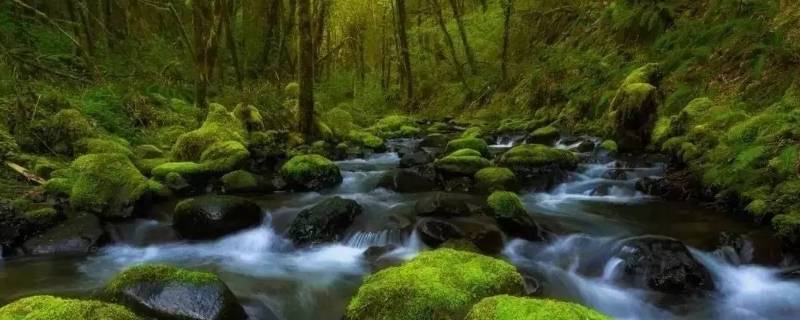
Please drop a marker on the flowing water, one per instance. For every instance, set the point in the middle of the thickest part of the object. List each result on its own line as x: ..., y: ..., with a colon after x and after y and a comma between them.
x: 275, y: 280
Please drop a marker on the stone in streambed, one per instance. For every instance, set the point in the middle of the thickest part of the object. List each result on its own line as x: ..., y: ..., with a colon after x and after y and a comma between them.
x: 171, y: 293
x: 507, y: 209
x: 434, y: 232
x: 211, y: 217
x: 310, y: 172
x: 325, y: 222
x: 81, y: 234
x: 54, y: 308
x: 444, y: 205
x: 416, y: 158
x: 407, y: 180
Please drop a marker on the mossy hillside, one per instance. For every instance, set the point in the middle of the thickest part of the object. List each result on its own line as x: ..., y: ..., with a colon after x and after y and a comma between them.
x: 468, y: 143
x: 505, y: 307
x: 303, y: 169
x: 103, y: 145
x: 218, y: 158
x: 506, y: 204
x: 365, y: 139
x: 429, y: 287
x: 220, y: 125
x: 496, y: 179
x: 340, y: 121
x: 395, y: 126
x: 157, y: 273
x: 464, y: 162
x: 53, y: 308
x: 537, y: 155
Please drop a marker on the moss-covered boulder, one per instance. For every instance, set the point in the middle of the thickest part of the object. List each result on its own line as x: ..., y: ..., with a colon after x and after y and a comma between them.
x: 395, y: 126
x: 609, y: 146
x: 496, y: 179
x: 217, y: 159
x: 310, y: 172
x: 103, y: 145
x: 53, y: 308
x: 505, y: 307
x: 472, y: 132
x: 634, y: 108
x: 464, y: 162
x: 148, y: 151
x: 468, y: 143
x: 220, y: 125
x: 240, y: 181
x: 210, y: 217
x: 366, y: 140
x: 544, y: 135
x: 78, y: 235
x: 171, y: 293
x: 529, y: 157
x: 440, y: 284
x: 325, y: 222
x: 511, y: 217
x: 105, y: 183
x: 250, y: 117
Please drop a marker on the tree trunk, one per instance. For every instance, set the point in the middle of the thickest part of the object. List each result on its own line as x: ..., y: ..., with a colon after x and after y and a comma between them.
x: 273, y: 19
x: 508, y: 10
x: 437, y: 10
x: 230, y: 12
x: 205, y: 43
x: 404, y: 53
x: 306, y: 68
x: 464, y: 40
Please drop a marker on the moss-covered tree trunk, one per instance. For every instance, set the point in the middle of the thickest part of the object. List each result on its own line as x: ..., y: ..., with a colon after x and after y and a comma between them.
x: 305, y: 52
x: 402, y: 38
x: 205, y: 43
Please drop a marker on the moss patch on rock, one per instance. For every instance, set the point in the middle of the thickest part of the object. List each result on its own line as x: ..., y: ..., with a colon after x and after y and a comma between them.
x: 393, y: 127
x: 239, y: 181
x: 468, y: 143
x: 536, y: 155
x: 310, y: 172
x: 220, y: 125
x: 157, y: 273
x: 544, y: 135
x: 505, y: 307
x: 365, y: 139
x: 462, y: 162
x: 506, y: 204
x: 496, y: 179
x: 440, y: 284
x: 53, y: 308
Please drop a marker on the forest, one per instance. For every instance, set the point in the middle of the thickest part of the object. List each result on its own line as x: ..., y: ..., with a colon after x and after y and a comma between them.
x: 399, y: 159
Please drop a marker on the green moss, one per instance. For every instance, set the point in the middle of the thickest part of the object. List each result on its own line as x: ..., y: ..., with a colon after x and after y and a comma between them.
x: 250, y: 116
x: 495, y: 179
x: 409, y: 131
x: 7, y: 143
x: 340, y: 121
x: 45, y: 215
x: 472, y: 132
x: 303, y: 168
x: 440, y: 284
x: 460, y: 245
x: 787, y: 226
x: 462, y: 162
x: 512, y: 125
x: 148, y: 151
x: 224, y: 156
x: 536, y: 155
x: 392, y: 127
x: 239, y: 180
x: 649, y: 73
x: 220, y: 125
x: 505, y: 307
x: 103, y: 145
x: 506, y: 204
x: 52, y: 308
x: 186, y: 169
x: 157, y: 273
x: 365, y: 139
x: 609, y: 145
x: 292, y: 89
x: 548, y: 134
x: 69, y: 125
x: 468, y: 143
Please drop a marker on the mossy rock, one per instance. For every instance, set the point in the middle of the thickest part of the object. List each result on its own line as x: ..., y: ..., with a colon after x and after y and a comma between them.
x: 471, y: 133
x: 171, y: 293
x: 148, y: 151
x: 439, y: 284
x: 220, y: 125
x: 506, y: 307
x: 537, y: 155
x: 105, y: 183
x: 224, y: 156
x: 43, y: 217
x: 468, y: 143
x: 410, y: 132
x: 211, y: 217
x: 505, y: 204
x: 292, y: 89
x: 366, y: 139
x: 464, y: 162
x: 634, y: 114
x: 53, y: 308
x: 310, y: 172
x: 103, y: 145
x: 393, y: 127
x: 544, y: 135
x: 67, y: 127
x: 250, y: 116
x: 239, y: 181
x: 496, y: 179
x: 184, y: 169
x: 340, y: 122
x: 609, y: 146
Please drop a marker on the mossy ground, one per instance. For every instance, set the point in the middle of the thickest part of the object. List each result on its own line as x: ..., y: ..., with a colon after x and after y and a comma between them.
x: 429, y: 287
x: 53, y: 308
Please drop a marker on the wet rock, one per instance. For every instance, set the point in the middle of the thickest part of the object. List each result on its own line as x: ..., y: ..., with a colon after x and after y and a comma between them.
x: 585, y: 146
x: 310, y: 172
x: 171, y: 293
x: 416, y: 158
x: 434, y: 232
x: 407, y: 180
x: 11, y: 226
x: 443, y: 205
x: 483, y: 234
x: 81, y: 234
x: 457, y: 184
x: 537, y: 166
x: 615, y: 174
x: 210, y: 217
x: 327, y: 221
x: 434, y: 140
x: 532, y: 286
x: 377, y: 257
x: 663, y: 264
x: 678, y: 185
x: 544, y: 135
x: 735, y: 248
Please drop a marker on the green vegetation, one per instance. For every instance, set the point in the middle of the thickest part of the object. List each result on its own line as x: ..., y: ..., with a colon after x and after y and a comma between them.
x: 468, y: 143
x: 428, y: 287
x: 536, y: 155
x: 156, y: 273
x: 462, y: 162
x: 496, y: 179
x: 506, y: 204
x: 505, y: 307
x: 53, y: 308
x: 310, y: 172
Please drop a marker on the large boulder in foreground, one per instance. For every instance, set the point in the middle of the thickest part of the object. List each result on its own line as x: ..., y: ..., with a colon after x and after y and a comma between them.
x: 170, y: 293
x: 325, y: 222
x: 52, y: 308
x: 663, y: 264
x: 81, y: 234
x: 211, y: 217
x: 310, y: 172
x: 439, y: 284
x: 505, y: 307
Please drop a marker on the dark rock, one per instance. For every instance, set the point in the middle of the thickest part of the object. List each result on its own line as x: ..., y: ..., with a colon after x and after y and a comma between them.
x: 483, y: 234
x: 211, y: 217
x: 434, y: 141
x: 615, y: 174
x: 735, y: 248
x: 11, y: 226
x: 521, y: 226
x: 414, y: 159
x: 443, y: 205
x: 377, y: 257
x: 678, y: 185
x: 458, y: 184
x: 327, y: 221
x: 585, y: 146
x: 532, y: 286
x: 434, y: 232
x: 81, y: 234
x: 663, y: 264
x: 407, y: 180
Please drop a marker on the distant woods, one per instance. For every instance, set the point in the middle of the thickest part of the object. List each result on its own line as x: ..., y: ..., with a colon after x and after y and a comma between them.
x: 211, y: 44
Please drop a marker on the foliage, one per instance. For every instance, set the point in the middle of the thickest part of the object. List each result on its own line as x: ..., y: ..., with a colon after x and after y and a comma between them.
x: 505, y: 307
x: 53, y: 308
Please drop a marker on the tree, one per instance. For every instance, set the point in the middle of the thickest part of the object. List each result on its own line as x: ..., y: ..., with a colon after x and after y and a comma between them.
x: 205, y: 15
x: 464, y: 41
x: 229, y: 13
x: 508, y: 10
x: 402, y: 38
x: 437, y: 10
x: 305, y: 52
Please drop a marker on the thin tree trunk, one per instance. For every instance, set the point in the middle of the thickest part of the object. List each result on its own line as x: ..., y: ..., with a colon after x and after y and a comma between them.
x: 464, y: 40
x: 284, y: 53
x: 508, y: 10
x: 319, y: 26
x: 230, y: 11
x: 205, y: 43
x: 450, y: 45
x: 404, y: 52
x: 273, y: 19
x: 83, y: 14
x: 306, y: 68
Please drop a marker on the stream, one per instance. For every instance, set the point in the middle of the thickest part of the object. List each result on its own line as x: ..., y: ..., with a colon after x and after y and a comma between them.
x: 275, y: 280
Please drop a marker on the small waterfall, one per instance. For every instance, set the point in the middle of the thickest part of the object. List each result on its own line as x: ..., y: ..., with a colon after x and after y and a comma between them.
x: 364, y: 239
x: 611, y: 269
